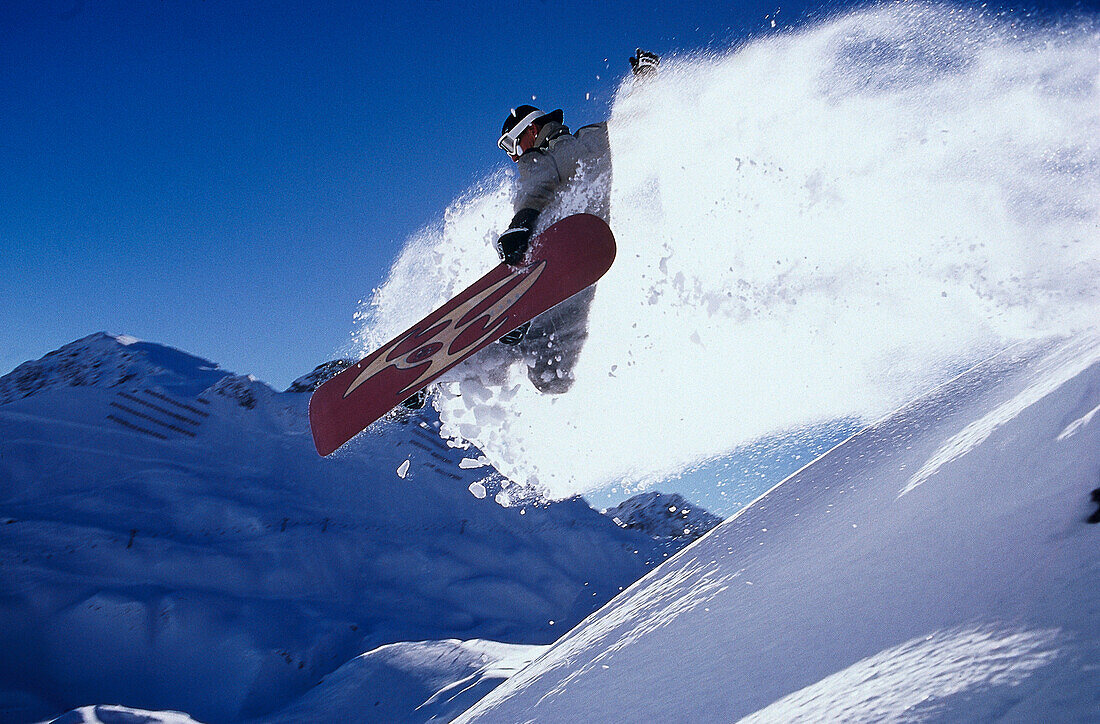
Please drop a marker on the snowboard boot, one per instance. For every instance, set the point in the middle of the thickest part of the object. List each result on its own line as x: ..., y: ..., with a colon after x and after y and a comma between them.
x: 516, y: 335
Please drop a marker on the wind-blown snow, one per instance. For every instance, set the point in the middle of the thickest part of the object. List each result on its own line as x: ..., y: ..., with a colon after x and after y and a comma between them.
x: 813, y: 226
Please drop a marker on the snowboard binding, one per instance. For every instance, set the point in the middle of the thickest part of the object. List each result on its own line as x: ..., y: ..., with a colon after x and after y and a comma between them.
x: 416, y: 401
x: 516, y: 335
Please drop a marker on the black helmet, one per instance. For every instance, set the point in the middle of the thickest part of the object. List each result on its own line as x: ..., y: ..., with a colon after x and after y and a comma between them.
x: 517, y: 122
x: 520, y: 113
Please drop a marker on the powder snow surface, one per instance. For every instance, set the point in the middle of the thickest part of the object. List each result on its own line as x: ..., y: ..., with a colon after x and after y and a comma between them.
x: 936, y: 566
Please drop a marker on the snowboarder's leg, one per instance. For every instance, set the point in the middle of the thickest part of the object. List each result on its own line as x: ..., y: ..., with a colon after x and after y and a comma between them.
x: 553, y: 344
x: 491, y: 365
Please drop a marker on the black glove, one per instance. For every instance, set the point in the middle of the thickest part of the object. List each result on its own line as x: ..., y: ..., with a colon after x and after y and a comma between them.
x: 512, y: 244
x: 643, y: 63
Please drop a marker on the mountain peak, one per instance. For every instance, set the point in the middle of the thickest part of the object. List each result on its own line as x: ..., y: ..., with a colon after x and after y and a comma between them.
x: 106, y: 360
x: 663, y: 515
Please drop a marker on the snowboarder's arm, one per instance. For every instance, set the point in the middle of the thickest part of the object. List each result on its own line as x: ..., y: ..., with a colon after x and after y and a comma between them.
x: 539, y: 178
x: 512, y: 244
x: 539, y: 181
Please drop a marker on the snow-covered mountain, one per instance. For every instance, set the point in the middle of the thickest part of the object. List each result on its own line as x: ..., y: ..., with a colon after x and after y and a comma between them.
x: 105, y: 361
x: 171, y: 541
x: 664, y: 516
x: 937, y: 566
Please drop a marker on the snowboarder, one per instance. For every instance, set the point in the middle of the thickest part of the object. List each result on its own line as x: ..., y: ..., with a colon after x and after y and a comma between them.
x: 549, y: 158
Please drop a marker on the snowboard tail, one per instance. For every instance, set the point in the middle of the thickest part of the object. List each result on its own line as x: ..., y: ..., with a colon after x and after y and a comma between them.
x: 565, y: 259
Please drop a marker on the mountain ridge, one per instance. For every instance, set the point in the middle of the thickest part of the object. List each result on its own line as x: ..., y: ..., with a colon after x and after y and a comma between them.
x: 174, y: 518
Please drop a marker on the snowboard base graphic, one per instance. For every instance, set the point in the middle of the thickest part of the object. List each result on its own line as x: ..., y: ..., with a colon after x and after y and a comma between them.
x: 563, y: 260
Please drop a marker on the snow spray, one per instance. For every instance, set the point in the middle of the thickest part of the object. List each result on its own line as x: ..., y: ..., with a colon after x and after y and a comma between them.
x: 812, y: 226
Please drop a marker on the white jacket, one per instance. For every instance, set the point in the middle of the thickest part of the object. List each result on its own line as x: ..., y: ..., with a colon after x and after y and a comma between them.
x: 560, y: 159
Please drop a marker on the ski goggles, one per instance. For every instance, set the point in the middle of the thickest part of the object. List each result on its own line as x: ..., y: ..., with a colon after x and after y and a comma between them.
x: 509, y: 142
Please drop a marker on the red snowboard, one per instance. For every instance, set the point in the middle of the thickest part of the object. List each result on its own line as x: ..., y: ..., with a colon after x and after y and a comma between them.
x: 563, y: 260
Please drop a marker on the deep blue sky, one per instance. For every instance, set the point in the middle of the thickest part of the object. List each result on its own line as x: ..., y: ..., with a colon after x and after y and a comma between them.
x: 231, y: 178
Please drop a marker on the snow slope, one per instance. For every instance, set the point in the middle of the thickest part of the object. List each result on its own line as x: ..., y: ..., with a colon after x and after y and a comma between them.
x: 410, y: 682
x: 935, y: 566
x: 169, y: 540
